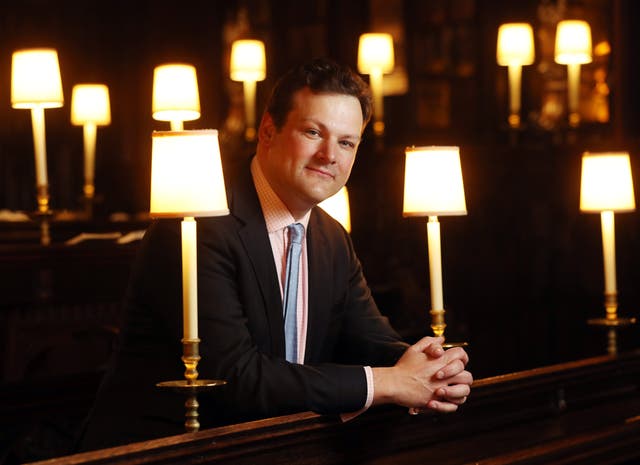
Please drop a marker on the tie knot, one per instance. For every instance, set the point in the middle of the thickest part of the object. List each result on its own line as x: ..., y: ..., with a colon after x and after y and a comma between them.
x: 296, y: 231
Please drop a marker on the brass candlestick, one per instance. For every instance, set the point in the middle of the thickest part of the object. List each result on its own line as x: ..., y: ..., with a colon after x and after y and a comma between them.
x: 191, y: 385
x: 611, y: 321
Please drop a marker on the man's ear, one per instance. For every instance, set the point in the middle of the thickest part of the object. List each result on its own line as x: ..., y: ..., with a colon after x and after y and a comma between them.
x: 267, y: 128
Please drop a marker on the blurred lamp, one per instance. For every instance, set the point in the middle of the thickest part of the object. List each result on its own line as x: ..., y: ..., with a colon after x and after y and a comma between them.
x: 90, y: 108
x: 249, y: 65
x: 607, y: 187
x: 175, y: 94
x: 433, y: 187
x: 376, y: 58
x: 573, y: 48
x: 515, y: 50
x: 338, y: 207
x: 36, y: 85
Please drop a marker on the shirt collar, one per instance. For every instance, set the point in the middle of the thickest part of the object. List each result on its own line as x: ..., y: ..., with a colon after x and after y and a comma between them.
x: 276, y: 214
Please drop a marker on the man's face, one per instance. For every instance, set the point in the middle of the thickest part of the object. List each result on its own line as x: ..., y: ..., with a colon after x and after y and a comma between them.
x: 310, y: 157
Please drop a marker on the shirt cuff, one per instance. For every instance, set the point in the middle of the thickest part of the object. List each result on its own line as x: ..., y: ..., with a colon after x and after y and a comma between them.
x: 369, y: 377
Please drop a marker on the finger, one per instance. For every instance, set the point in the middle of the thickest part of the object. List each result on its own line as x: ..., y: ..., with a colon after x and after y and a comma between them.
x: 456, y: 393
x: 450, y: 370
x: 431, y: 343
x: 442, y: 406
x: 457, y: 353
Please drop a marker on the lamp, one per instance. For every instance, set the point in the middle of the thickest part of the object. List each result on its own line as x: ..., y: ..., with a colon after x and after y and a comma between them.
x: 187, y: 181
x: 90, y: 108
x: 175, y: 94
x: 515, y: 49
x: 375, y: 57
x: 573, y: 48
x: 607, y: 187
x: 338, y: 207
x: 36, y: 85
x: 249, y: 65
x: 433, y: 187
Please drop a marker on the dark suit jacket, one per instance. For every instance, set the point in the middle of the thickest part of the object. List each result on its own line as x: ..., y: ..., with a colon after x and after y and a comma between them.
x: 241, y: 324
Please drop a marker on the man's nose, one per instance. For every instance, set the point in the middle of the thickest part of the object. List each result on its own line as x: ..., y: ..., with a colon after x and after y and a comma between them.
x: 328, y: 151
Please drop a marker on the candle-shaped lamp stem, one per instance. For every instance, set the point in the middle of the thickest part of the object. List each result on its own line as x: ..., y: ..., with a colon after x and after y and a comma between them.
x: 435, y: 274
x: 40, y: 150
x: 515, y: 83
x: 609, y: 260
x: 573, y: 78
x: 249, y: 88
x: 176, y: 125
x: 375, y: 80
x: 189, y: 279
x: 89, y: 137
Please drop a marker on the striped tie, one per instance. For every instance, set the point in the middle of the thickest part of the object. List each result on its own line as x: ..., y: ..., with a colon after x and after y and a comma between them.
x: 296, y: 232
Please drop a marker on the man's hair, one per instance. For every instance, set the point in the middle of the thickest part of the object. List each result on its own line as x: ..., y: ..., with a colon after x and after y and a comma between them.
x: 321, y: 76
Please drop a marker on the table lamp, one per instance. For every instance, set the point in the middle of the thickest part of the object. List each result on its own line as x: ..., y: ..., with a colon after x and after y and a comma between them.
x: 433, y: 187
x: 338, y: 207
x: 36, y: 85
x: 515, y: 50
x: 606, y: 187
x: 90, y: 108
x: 573, y: 48
x: 187, y: 182
x: 248, y: 65
x: 175, y: 94
x: 376, y: 58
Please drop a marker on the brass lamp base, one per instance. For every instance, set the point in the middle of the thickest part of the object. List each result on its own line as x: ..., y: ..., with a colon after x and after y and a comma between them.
x: 191, y: 386
x: 438, y: 325
x: 613, y: 324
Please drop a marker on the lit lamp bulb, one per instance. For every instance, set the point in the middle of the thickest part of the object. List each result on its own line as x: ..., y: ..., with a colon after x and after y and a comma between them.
x: 175, y: 94
x: 338, y: 207
x: 90, y: 108
x: 607, y: 187
x: 36, y: 85
x: 248, y: 65
x: 573, y: 48
x: 376, y: 58
x: 515, y: 49
x: 433, y: 187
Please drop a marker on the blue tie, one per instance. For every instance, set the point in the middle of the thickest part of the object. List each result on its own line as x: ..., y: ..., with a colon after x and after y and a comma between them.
x: 296, y: 232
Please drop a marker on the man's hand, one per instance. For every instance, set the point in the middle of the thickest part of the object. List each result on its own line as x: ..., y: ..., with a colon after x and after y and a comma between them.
x: 426, y: 376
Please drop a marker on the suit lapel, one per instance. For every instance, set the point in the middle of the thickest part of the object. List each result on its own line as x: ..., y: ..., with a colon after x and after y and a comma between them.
x: 253, y: 234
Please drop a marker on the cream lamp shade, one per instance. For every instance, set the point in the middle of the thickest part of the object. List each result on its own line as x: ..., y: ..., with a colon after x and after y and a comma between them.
x: 175, y: 93
x: 433, y: 183
x: 573, y: 42
x: 90, y: 104
x: 338, y: 207
x: 606, y: 183
x: 515, y: 44
x: 375, y: 52
x: 35, y: 79
x: 248, y: 62
x: 186, y: 174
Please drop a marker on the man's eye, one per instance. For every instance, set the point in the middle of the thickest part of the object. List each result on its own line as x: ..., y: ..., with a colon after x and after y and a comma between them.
x: 313, y: 132
x: 348, y: 144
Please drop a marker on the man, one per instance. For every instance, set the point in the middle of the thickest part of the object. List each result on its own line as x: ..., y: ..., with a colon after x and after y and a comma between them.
x: 345, y: 357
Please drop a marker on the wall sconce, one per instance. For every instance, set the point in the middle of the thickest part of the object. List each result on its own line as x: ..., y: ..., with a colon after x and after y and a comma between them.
x: 573, y: 48
x: 376, y: 58
x: 187, y: 181
x: 90, y: 108
x: 175, y: 94
x: 338, y: 207
x: 36, y: 85
x: 249, y: 65
x: 433, y: 187
x: 607, y: 187
x: 515, y: 49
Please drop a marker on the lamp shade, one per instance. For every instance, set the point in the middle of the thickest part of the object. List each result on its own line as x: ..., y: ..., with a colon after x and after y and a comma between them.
x: 186, y: 174
x: 375, y: 52
x: 573, y: 42
x: 606, y: 183
x: 338, y: 207
x: 90, y: 104
x: 433, y: 182
x: 35, y: 79
x: 515, y: 44
x: 175, y: 93
x: 248, y: 62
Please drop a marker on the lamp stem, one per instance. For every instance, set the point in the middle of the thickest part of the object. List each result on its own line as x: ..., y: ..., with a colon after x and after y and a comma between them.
x: 573, y: 76
x: 40, y: 150
x: 177, y: 125
x: 515, y: 83
x: 609, y: 261
x: 378, y: 107
x: 249, y: 88
x: 189, y: 279
x: 435, y: 275
x: 89, y: 132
